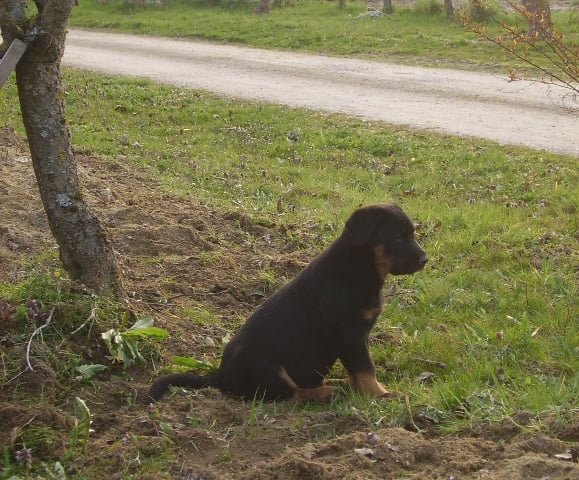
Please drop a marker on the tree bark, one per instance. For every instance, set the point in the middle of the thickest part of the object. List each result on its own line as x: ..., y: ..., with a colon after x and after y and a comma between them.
x: 387, y: 6
x: 538, y: 13
x: 262, y: 7
x: 449, y: 9
x: 85, y: 250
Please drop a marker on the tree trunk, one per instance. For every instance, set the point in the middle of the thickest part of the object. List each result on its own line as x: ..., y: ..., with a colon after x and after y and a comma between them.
x: 538, y: 13
x: 387, y: 6
x: 449, y: 9
x: 262, y: 7
x: 85, y: 250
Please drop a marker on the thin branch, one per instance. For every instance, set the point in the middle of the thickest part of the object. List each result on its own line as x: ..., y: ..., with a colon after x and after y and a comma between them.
x: 400, y: 293
x: 90, y: 318
x: 561, y: 58
x: 410, y: 417
x: 36, y: 332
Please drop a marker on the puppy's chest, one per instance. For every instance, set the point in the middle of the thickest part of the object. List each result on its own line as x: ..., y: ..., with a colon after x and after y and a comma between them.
x: 371, y: 309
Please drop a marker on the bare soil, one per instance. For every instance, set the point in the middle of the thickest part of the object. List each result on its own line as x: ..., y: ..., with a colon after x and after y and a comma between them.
x: 175, y: 250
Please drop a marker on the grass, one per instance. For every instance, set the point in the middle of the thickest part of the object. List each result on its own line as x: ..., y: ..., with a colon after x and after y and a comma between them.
x: 499, y: 223
x: 408, y: 35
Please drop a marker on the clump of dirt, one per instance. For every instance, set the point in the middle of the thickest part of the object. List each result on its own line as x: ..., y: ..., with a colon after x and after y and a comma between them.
x: 178, y: 255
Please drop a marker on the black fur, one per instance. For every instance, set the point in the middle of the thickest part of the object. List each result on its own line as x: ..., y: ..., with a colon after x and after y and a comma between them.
x: 289, y: 344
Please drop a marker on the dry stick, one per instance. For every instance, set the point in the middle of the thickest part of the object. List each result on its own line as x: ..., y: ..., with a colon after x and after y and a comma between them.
x: 36, y: 332
x: 416, y: 427
x: 30, y: 421
x: 400, y: 292
x: 91, y: 317
x: 431, y: 362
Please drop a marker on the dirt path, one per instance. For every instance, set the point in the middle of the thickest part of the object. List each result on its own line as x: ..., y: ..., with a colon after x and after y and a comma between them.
x: 459, y: 102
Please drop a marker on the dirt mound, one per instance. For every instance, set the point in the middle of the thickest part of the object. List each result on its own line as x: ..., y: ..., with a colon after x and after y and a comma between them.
x: 394, y: 453
x: 179, y: 256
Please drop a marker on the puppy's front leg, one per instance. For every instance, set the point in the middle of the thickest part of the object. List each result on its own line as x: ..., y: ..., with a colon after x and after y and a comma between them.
x: 366, y: 383
x: 360, y: 369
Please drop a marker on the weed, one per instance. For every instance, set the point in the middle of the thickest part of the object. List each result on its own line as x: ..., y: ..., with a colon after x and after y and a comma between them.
x: 189, y: 363
x: 225, y: 457
x: 123, y: 346
x: 81, y: 429
x: 199, y: 314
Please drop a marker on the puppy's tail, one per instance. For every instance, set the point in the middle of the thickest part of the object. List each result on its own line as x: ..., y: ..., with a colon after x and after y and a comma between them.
x: 162, y: 384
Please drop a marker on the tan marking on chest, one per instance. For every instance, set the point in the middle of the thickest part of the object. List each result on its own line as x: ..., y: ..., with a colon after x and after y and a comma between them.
x: 370, y: 314
x: 383, y: 262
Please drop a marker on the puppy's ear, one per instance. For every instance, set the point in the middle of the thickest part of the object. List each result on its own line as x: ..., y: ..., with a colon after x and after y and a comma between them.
x: 361, y: 225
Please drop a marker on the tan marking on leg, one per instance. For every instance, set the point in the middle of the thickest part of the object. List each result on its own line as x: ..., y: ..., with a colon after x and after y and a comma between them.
x: 367, y: 384
x: 383, y: 262
x: 285, y: 376
x: 318, y: 394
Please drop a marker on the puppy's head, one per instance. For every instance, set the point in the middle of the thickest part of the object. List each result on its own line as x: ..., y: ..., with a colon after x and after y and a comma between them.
x: 389, y: 233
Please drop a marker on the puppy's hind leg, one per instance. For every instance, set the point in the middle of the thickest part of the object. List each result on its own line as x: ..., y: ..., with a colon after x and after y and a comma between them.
x: 322, y: 393
x: 251, y: 374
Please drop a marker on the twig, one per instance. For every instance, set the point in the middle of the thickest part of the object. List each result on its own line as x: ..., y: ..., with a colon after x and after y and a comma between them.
x: 29, y: 421
x: 416, y: 427
x: 36, y: 332
x: 91, y: 317
x: 431, y: 362
x: 400, y: 292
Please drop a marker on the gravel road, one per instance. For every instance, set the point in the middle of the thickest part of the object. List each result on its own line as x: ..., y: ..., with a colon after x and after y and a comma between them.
x: 458, y: 102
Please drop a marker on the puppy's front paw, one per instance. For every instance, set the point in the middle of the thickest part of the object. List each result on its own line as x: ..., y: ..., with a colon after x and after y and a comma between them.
x: 393, y: 395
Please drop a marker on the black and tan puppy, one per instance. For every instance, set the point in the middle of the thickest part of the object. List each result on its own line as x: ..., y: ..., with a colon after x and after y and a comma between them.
x: 289, y: 344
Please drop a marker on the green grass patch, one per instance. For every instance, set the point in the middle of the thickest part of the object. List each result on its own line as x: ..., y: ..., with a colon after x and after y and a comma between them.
x: 498, y: 302
x: 418, y: 34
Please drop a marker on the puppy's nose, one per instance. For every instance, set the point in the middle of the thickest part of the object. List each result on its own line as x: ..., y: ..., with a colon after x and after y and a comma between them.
x: 423, y: 259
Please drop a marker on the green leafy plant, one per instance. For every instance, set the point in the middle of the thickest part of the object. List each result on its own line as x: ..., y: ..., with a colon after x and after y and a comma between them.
x: 191, y: 363
x: 87, y: 372
x: 81, y: 429
x: 124, y: 346
x: 161, y: 428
